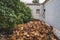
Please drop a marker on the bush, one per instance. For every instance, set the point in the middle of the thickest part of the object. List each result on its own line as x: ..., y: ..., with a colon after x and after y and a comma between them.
x: 13, y: 12
x: 35, y: 1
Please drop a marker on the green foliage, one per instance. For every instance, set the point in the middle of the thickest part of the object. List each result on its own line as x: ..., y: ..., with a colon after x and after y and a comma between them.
x: 13, y: 12
x: 35, y: 1
x: 7, y: 17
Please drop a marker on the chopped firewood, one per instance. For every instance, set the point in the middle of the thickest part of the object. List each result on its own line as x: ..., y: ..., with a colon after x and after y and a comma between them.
x: 33, y: 30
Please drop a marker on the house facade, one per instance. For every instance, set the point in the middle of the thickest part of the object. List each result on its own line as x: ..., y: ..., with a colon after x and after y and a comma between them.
x: 37, y: 10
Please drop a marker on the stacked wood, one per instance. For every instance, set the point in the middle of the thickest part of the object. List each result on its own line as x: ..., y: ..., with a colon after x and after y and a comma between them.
x: 33, y: 30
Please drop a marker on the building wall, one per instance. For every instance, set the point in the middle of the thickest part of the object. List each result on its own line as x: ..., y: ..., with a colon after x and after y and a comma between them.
x: 34, y: 8
x: 52, y: 13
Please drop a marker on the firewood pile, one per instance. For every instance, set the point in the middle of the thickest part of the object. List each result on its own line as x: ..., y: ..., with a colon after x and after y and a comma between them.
x: 33, y: 30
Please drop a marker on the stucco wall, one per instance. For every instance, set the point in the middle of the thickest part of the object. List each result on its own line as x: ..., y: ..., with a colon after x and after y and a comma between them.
x: 52, y: 13
x: 34, y: 14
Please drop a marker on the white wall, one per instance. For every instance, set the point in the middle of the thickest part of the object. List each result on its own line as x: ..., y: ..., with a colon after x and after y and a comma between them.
x: 33, y: 8
x: 52, y: 13
x: 41, y: 11
x: 34, y: 14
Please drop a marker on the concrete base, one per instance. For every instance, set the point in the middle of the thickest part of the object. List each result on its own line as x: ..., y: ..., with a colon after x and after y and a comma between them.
x: 56, y: 32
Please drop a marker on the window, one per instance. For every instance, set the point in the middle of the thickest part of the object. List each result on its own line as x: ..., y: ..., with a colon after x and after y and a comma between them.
x: 38, y: 11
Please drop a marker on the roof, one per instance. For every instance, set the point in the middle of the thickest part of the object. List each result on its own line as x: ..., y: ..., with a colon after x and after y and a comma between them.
x: 34, y: 4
